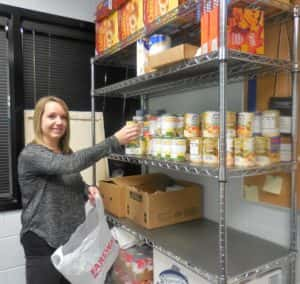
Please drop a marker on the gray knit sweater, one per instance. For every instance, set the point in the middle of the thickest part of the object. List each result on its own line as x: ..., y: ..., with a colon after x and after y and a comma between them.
x: 52, y: 189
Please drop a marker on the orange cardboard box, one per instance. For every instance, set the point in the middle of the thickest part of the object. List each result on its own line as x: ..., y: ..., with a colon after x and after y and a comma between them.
x: 153, y: 204
x: 156, y: 8
x: 245, y: 30
x: 130, y: 18
x: 205, y: 27
x: 106, y: 7
x: 107, y: 32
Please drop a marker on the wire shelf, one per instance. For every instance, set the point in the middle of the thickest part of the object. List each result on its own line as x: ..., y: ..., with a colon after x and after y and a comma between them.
x: 204, y: 67
x: 202, y: 170
x: 200, y: 238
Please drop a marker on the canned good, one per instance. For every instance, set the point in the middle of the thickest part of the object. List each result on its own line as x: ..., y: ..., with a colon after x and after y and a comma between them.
x: 285, y: 148
x: 230, y: 124
x: 285, y: 125
x: 148, y: 141
x: 245, y: 124
x: 156, y: 147
x: 136, y: 147
x: 230, y: 151
x: 267, y: 150
x: 244, y: 152
x: 257, y: 123
x: 178, y: 149
x: 152, y: 124
x: 196, y: 150
x: 210, y: 124
x: 168, y: 125
x: 191, y: 125
x: 180, y: 125
x: 165, y: 146
x: 210, y: 151
x: 270, y: 123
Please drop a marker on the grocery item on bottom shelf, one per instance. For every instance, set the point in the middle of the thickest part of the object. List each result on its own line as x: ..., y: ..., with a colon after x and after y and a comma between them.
x: 267, y: 150
x: 134, y: 265
x: 210, y: 151
x: 285, y: 148
x: 168, y: 125
x: 165, y: 146
x: 244, y: 152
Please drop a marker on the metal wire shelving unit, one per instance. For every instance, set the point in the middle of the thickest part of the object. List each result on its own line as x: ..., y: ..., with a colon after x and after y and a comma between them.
x: 217, y: 68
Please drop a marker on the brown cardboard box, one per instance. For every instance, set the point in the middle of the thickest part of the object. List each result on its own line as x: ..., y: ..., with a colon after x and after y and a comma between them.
x: 113, y: 191
x: 149, y: 205
x: 172, y: 55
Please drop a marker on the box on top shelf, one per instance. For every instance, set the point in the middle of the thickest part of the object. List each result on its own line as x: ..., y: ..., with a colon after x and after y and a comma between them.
x: 172, y: 55
x: 156, y: 8
x: 159, y: 201
x: 245, y: 30
x: 107, y: 32
x: 130, y: 18
x: 106, y: 7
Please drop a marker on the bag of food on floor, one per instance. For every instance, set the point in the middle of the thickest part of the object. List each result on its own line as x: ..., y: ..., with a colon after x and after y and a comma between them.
x: 90, y: 252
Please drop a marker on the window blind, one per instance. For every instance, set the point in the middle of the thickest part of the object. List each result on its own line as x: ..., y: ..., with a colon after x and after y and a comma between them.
x: 5, y: 188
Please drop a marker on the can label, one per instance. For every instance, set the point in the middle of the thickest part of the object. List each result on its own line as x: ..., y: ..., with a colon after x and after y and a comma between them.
x: 191, y: 125
x: 196, y: 150
x: 156, y: 147
x: 178, y: 149
x: 244, y: 152
x: 270, y: 123
x: 210, y: 124
x: 168, y: 125
x: 166, y: 148
x: 211, y: 150
x: 245, y: 124
x: 285, y: 125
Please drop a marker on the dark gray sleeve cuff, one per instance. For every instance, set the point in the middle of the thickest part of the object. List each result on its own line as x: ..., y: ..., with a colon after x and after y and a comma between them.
x: 115, y: 146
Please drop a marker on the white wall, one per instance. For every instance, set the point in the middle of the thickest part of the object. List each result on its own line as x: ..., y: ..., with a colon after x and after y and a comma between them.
x: 79, y: 9
x: 268, y: 222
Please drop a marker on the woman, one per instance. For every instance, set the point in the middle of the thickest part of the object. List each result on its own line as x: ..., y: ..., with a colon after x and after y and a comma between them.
x: 53, y: 192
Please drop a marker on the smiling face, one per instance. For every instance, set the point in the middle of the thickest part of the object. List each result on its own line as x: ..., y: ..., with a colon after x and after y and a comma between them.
x: 53, y: 123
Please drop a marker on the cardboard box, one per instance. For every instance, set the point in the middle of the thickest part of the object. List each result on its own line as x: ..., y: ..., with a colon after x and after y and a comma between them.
x: 245, y: 30
x: 167, y: 270
x: 130, y: 18
x: 172, y: 55
x: 113, y: 191
x: 106, y: 7
x: 107, y: 32
x: 156, y: 8
x: 151, y: 206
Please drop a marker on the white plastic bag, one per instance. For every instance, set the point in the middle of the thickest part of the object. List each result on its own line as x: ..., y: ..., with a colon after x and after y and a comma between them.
x: 90, y: 252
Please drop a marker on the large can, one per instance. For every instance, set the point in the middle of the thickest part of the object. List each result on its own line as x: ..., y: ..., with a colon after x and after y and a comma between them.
x: 230, y: 151
x: 244, y: 152
x: 285, y: 148
x: 136, y: 147
x: 191, y: 125
x: 178, y: 149
x: 180, y: 125
x: 257, y: 123
x: 168, y: 125
x: 148, y: 140
x: 230, y: 124
x: 156, y: 147
x: 267, y: 150
x: 210, y: 124
x: 271, y: 123
x: 165, y: 146
x: 245, y: 124
x: 196, y: 150
x: 211, y: 151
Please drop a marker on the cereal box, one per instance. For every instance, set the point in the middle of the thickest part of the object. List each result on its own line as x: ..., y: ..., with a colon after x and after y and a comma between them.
x: 106, y: 7
x: 246, y: 30
x: 205, y: 10
x: 107, y: 32
x: 130, y: 18
x: 156, y: 8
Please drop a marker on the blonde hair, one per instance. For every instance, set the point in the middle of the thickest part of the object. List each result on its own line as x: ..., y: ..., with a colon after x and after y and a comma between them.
x: 37, y: 123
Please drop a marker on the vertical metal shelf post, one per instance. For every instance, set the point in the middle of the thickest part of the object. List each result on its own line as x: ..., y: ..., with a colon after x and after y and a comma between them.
x: 93, y: 114
x: 144, y: 102
x: 295, y: 117
x: 222, y: 181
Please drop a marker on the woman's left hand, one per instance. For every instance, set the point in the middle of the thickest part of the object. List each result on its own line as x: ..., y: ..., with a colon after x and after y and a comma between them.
x: 93, y: 193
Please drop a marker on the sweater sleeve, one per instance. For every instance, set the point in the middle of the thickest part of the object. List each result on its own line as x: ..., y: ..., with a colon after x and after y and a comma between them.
x: 39, y: 160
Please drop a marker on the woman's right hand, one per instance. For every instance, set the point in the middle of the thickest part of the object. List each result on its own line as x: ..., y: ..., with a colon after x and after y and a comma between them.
x: 127, y: 133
